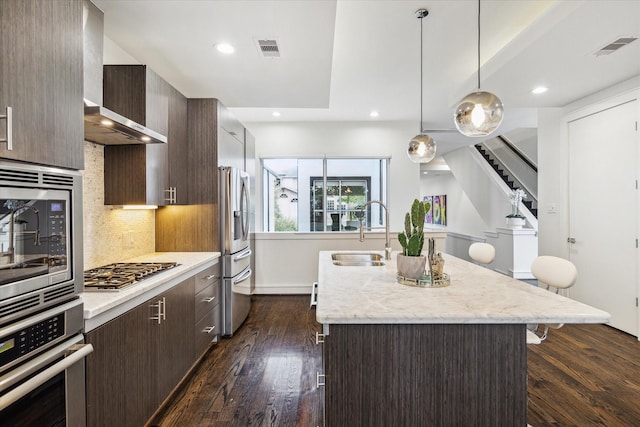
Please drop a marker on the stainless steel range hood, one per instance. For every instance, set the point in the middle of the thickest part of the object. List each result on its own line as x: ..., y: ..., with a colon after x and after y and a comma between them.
x: 107, y: 127
x: 102, y: 125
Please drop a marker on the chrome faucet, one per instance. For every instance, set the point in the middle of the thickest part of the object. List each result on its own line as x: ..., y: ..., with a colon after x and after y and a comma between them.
x: 387, y: 243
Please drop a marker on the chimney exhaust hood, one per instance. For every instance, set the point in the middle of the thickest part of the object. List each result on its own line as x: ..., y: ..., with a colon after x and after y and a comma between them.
x: 107, y: 127
x: 102, y: 125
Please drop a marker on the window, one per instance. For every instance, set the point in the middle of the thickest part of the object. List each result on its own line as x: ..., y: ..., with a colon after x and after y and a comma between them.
x: 323, y: 194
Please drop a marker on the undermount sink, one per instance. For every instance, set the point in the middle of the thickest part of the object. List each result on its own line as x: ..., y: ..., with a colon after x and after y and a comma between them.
x: 360, y: 259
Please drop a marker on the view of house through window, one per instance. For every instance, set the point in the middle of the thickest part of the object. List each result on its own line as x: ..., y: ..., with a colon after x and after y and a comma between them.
x: 323, y: 194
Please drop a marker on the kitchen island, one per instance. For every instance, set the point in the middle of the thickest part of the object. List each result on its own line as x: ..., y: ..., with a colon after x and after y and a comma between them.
x: 405, y: 356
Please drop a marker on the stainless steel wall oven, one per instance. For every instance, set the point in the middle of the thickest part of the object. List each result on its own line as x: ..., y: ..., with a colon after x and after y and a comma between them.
x: 40, y: 238
x: 42, y: 372
x: 42, y: 350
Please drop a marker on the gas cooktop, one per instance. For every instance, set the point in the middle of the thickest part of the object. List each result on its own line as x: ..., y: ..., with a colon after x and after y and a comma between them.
x: 119, y: 275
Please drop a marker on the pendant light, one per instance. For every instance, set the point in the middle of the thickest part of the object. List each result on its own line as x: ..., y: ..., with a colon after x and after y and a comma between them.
x: 422, y: 148
x: 479, y: 113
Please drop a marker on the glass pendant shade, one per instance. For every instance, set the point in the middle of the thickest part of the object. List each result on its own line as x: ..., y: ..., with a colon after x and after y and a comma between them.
x: 422, y: 149
x: 478, y: 114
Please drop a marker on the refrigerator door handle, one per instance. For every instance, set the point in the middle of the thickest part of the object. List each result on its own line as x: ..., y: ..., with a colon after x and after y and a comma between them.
x: 244, y: 276
x: 239, y: 287
x: 242, y: 255
x: 246, y: 208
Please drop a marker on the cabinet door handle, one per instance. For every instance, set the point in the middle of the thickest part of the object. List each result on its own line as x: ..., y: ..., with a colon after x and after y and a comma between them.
x: 9, y: 134
x: 161, y: 313
x: 209, y: 329
x: 319, y: 338
x: 318, y: 383
x: 172, y: 198
x: 209, y: 299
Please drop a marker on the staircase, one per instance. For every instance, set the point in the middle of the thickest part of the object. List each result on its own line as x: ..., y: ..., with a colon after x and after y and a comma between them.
x: 512, y: 182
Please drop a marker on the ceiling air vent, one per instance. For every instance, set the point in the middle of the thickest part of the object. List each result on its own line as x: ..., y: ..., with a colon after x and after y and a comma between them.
x: 615, y: 45
x: 268, y: 48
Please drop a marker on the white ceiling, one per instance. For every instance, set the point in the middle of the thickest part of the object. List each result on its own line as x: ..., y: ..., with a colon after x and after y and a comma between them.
x: 342, y: 59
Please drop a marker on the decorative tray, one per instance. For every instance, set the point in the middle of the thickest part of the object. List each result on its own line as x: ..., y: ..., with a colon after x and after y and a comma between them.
x: 425, y: 281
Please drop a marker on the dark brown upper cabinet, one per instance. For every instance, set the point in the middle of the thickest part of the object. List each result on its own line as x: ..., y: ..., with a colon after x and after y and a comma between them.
x: 143, y: 174
x: 41, y: 82
x: 138, y: 93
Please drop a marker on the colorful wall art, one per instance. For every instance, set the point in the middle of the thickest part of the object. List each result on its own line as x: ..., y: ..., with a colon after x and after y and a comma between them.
x: 437, y: 215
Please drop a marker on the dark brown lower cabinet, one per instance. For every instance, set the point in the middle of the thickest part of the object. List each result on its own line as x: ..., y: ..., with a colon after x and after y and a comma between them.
x: 138, y: 359
x: 174, y: 349
x: 425, y: 375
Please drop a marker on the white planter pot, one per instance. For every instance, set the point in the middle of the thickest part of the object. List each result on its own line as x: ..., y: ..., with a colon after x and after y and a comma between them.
x: 515, y: 223
x: 411, y: 267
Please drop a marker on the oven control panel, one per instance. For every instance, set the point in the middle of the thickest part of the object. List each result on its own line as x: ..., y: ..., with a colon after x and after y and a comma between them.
x: 31, y: 338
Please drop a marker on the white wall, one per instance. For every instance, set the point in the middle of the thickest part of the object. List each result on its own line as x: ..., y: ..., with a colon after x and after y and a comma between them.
x: 553, y: 184
x: 462, y: 216
x: 345, y: 139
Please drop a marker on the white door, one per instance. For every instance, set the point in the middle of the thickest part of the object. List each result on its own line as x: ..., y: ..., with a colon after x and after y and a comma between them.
x: 603, y: 213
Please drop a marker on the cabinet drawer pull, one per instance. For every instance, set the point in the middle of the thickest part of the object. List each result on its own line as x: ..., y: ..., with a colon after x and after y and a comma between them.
x: 209, y: 277
x: 209, y: 329
x: 318, y: 383
x: 319, y: 338
x: 9, y: 117
x: 209, y: 299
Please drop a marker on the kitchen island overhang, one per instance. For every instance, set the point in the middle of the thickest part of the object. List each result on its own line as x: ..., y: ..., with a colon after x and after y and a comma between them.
x: 404, y: 355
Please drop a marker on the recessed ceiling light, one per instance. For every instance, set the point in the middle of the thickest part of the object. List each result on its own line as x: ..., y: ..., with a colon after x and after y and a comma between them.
x: 276, y: 114
x: 374, y: 114
x: 145, y: 138
x: 225, y: 48
x: 540, y: 89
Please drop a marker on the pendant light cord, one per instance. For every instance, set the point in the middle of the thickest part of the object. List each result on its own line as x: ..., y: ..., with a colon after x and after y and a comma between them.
x: 478, y: 45
x: 421, y: 19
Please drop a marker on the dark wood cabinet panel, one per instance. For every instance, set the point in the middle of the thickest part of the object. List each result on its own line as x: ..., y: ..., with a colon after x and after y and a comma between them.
x: 125, y: 175
x: 203, y: 150
x: 410, y: 375
x: 207, y: 308
x: 142, y: 174
x: 174, y: 346
x: 157, y: 102
x: 120, y: 371
x: 41, y: 80
x: 178, y: 148
x: 137, y: 93
x: 138, y: 360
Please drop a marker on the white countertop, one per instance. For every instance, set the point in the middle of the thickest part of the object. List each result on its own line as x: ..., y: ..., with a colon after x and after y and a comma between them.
x: 103, y: 306
x: 362, y: 295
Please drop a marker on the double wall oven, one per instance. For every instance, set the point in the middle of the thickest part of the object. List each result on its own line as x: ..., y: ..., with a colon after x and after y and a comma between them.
x: 42, y: 348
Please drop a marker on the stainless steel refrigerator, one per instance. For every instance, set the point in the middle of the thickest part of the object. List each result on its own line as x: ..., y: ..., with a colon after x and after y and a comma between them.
x: 235, y: 208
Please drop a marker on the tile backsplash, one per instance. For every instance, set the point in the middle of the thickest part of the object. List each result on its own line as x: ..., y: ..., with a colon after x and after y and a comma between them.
x: 110, y: 233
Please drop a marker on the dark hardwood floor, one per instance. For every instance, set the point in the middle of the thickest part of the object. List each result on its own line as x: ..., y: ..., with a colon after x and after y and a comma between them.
x: 265, y: 375
x: 582, y: 375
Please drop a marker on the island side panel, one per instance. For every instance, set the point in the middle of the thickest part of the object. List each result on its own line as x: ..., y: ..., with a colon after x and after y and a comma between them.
x: 437, y: 375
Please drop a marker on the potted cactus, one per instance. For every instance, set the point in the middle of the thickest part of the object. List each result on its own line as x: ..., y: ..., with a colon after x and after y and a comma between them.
x: 411, y: 262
